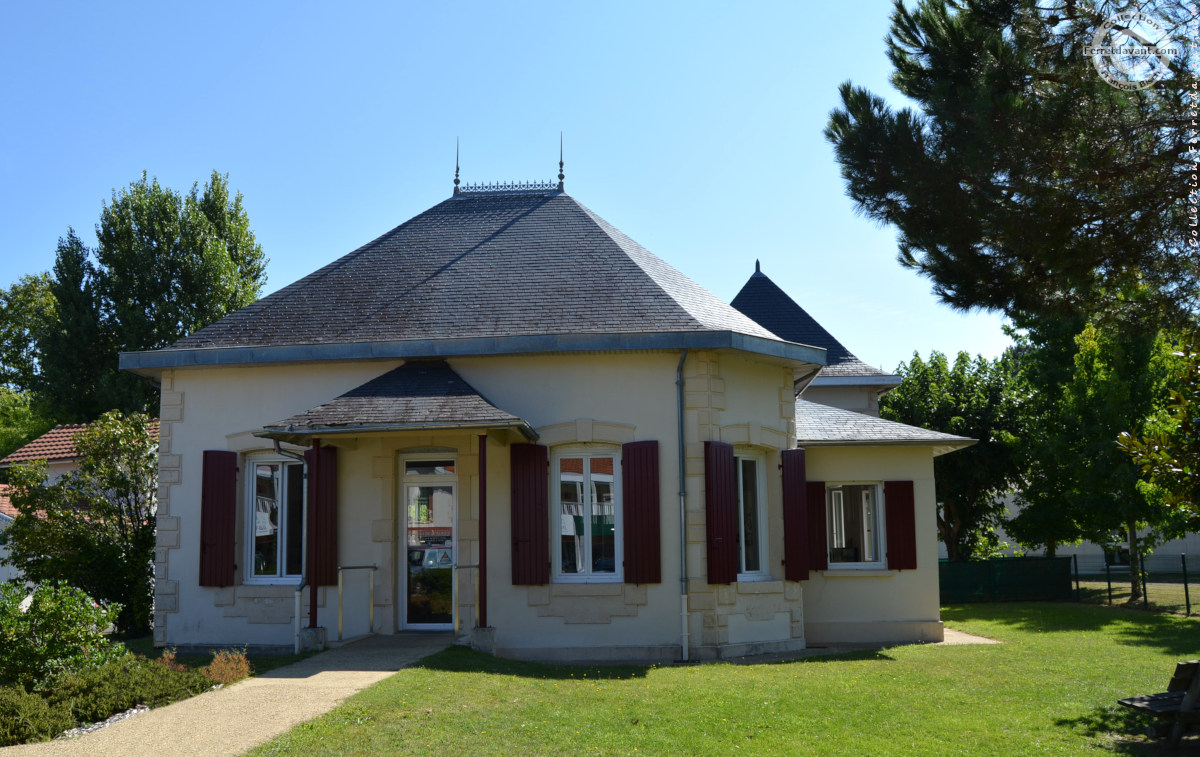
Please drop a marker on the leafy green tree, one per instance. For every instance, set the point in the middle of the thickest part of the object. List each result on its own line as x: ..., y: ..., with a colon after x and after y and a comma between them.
x: 978, y: 398
x: 164, y: 266
x: 1021, y: 181
x: 1079, y: 484
x: 24, y: 309
x: 75, y: 351
x: 93, y: 528
x: 58, y: 629
x: 1168, y: 452
x: 20, y: 420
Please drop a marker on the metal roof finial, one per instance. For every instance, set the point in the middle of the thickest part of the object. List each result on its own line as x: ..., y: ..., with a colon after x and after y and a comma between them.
x: 561, y: 176
x: 757, y: 269
x: 456, y: 190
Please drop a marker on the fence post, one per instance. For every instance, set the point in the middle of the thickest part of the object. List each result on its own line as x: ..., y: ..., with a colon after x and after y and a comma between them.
x: 1075, y: 561
x: 1187, y: 597
x: 1108, y: 575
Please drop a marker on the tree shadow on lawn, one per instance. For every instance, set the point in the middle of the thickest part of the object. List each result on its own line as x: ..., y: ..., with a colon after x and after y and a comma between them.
x: 464, y: 660
x: 1126, y: 728
x: 1169, y: 634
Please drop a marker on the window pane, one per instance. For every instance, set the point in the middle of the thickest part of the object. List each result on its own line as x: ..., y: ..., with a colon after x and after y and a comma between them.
x: 295, y: 519
x: 604, y: 542
x: 853, y: 524
x: 571, y: 515
x: 429, y: 467
x: 266, y: 520
x: 749, y: 539
x: 869, y: 525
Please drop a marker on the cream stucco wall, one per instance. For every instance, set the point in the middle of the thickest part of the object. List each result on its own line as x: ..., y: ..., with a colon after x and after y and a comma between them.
x: 882, y: 605
x: 598, y: 399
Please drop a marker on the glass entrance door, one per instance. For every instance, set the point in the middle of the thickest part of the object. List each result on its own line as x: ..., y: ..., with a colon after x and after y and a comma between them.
x: 429, y: 511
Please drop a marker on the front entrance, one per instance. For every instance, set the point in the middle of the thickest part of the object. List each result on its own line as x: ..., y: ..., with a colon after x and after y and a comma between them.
x: 428, y: 509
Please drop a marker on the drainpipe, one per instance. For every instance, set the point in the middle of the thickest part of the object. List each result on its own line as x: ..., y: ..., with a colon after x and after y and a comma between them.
x: 312, y: 589
x: 683, y: 590
x: 303, y: 537
x: 481, y: 621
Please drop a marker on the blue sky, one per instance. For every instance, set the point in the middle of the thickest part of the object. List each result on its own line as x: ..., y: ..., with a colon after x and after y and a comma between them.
x: 694, y: 127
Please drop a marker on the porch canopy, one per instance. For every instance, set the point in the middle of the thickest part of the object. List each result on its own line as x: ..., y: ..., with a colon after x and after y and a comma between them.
x: 425, y: 395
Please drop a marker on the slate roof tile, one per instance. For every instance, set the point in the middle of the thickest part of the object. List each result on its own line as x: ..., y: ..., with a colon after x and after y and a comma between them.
x: 418, y: 394
x: 762, y: 300
x: 821, y: 425
x: 483, y: 265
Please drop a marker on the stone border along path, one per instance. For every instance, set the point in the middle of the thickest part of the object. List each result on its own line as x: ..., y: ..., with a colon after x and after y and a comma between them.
x: 239, y: 717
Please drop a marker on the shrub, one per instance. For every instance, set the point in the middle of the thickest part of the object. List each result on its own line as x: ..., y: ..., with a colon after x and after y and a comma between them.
x: 27, y: 717
x: 95, y: 694
x: 227, y: 666
x: 57, y: 629
x: 167, y: 660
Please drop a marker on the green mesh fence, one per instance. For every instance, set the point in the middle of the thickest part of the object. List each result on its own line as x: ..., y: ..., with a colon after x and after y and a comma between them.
x: 1006, y: 579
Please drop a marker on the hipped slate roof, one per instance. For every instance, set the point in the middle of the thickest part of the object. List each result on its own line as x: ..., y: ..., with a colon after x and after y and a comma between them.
x: 498, y: 273
x: 769, y: 306
x: 824, y: 426
x: 417, y: 395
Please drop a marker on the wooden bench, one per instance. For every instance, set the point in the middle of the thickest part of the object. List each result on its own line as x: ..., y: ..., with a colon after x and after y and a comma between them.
x: 1178, y: 704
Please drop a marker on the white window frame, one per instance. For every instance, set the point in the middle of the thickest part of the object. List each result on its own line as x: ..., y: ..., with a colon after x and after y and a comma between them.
x: 833, y: 488
x: 587, y: 452
x: 760, y: 469
x: 251, y: 489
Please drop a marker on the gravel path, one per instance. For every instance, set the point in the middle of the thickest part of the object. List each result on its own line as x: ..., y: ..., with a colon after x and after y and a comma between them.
x: 235, y: 718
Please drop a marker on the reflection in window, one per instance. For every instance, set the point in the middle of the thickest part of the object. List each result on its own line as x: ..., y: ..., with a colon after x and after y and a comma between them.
x: 749, y: 538
x: 277, y: 519
x: 587, y: 515
x: 853, y: 523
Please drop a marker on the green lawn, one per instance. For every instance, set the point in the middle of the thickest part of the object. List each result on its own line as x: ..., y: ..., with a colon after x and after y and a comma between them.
x: 1050, y: 688
x: 1165, y: 594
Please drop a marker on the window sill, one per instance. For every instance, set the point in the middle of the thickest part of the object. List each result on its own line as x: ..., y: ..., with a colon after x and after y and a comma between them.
x: 286, y: 582
x: 859, y: 572
x: 577, y: 580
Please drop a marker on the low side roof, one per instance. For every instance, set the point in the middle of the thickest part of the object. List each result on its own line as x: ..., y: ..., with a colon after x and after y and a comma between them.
x: 481, y: 273
x: 763, y: 301
x: 55, y: 445
x: 820, y: 425
x: 417, y: 395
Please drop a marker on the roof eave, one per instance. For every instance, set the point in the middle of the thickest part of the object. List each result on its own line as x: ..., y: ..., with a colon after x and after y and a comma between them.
x: 303, y: 436
x: 887, y: 380
x: 150, y: 363
x: 938, y: 447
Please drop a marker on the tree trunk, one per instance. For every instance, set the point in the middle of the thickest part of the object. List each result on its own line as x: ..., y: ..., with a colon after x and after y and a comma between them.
x: 1135, y: 564
x: 1051, y: 548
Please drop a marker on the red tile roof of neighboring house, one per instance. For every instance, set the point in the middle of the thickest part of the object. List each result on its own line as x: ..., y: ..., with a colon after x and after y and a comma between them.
x: 56, y: 444
x: 6, y: 507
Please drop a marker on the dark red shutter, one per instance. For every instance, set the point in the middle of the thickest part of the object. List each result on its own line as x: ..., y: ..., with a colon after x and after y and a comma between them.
x: 818, y: 539
x: 720, y: 501
x: 218, y: 516
x: 322, y: 517
x: 642, y: 512
x: 530, y: 514
x: 795, y: 516
x: 899, y: 507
